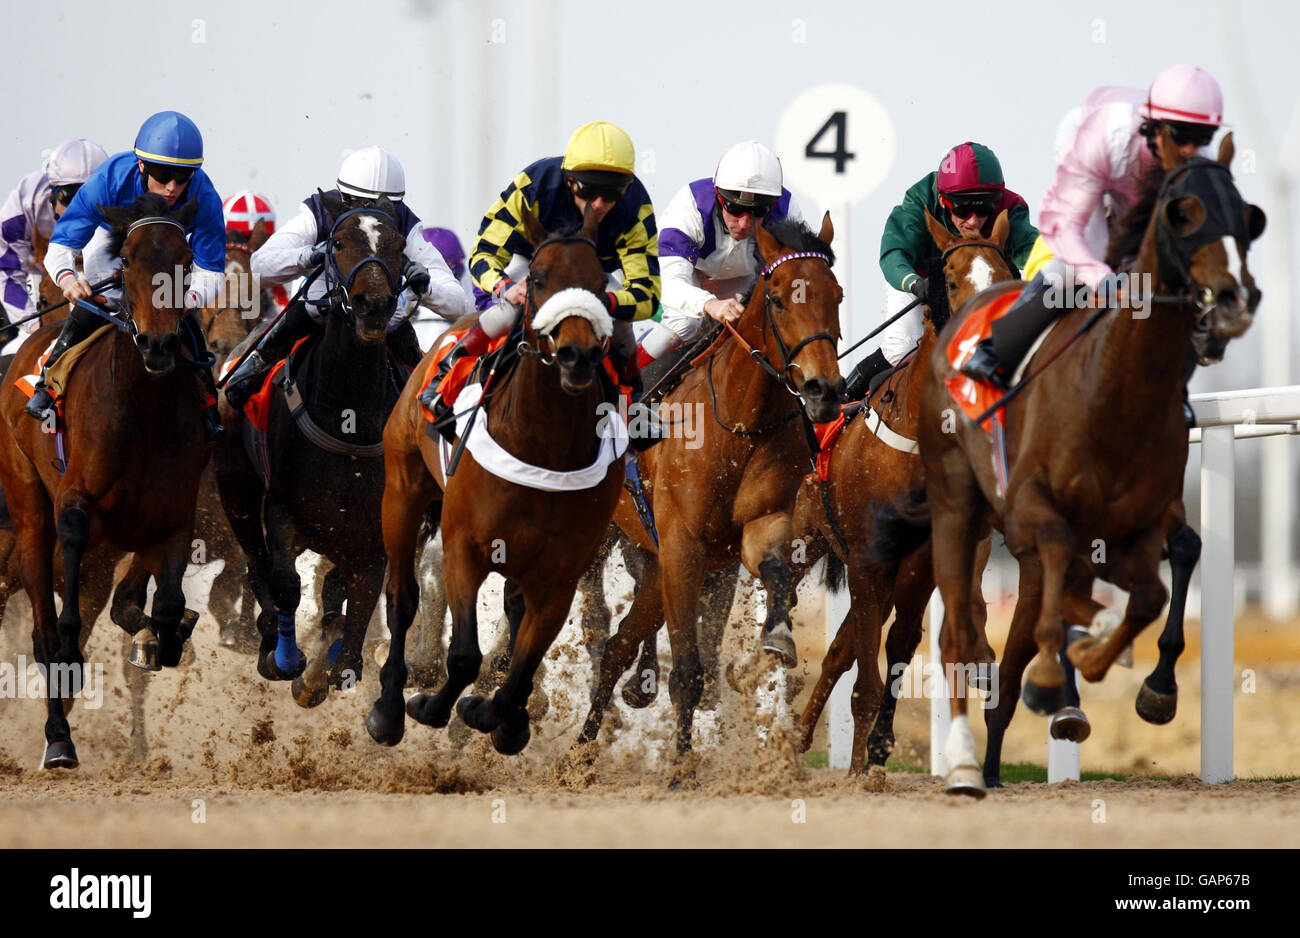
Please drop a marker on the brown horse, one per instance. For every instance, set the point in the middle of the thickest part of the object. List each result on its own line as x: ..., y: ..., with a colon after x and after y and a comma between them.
x: 545, y: 409
x: 731, y: 491
x: 875, y: 462
x: 1095, y: 445
x: 134, y: 454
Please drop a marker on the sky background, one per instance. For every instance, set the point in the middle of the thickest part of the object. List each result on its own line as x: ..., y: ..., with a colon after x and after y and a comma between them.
x: 466, y: 93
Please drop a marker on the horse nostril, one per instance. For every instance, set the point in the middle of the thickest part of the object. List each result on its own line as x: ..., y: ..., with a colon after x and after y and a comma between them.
x: 567, y: 356
x: 594, y: 355
x: 169, y: 344
x: 142, y: 342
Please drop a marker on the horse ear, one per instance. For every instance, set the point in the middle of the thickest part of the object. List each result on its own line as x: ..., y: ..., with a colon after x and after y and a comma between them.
x: 828, y: 230
x: 1001, y: 229
x: 258, y: 236
x: 768, y: 246
x: 941, y: 235
x: 1255, y: 220
x: 385, y: 204
x: 1172, y: 158
x: 333, y: 204
x: 1227, y: 149
x: 590, y: 224
x: 534, y: 230
x: 116, y: 217
x: 187, y: 212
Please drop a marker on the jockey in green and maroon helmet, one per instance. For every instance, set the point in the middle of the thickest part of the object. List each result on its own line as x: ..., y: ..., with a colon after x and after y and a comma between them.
x: 965, y: 195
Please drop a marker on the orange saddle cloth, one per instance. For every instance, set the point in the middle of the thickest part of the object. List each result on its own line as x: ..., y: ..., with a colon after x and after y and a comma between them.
x: 450, y: 386
x: 975, y: 397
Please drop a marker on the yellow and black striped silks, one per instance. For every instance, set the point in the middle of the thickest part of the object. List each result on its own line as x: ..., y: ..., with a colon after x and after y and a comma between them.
x: 627, y: 239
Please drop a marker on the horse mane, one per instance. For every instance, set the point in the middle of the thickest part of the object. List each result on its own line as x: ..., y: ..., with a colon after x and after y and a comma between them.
x: 146, y: 204
x: 936, y: 296
x: 795, y: 233
x: 1127, y: 234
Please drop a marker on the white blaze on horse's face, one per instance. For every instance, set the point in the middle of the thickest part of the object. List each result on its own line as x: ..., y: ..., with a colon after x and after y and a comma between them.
x: 980, y: 274
x: 1234, y: 258
x: 370, y: 225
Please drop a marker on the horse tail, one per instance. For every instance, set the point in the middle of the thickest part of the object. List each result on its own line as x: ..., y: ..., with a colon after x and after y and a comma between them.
x: 902, y: 526
x: 429, y: 524
x: 836, y: 573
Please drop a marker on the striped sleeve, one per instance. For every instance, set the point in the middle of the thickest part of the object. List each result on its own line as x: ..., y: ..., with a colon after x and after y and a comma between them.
x: 501, y: 235
x: 638, y: 253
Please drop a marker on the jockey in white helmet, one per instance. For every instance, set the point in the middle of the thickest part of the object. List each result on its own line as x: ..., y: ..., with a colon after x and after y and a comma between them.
x: 365, y: 176
x: 707, y: 254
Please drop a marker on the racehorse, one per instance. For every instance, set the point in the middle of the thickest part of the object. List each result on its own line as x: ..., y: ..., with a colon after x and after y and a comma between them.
x: 324, y: 451
x: 134, y: 450
x: 731, y: 491
x: 1090, y: 477
x: 543, y: 406
x: 874, y: 462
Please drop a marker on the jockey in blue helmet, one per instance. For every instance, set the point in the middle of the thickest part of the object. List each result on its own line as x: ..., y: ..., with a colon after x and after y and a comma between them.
x: 165, y: 161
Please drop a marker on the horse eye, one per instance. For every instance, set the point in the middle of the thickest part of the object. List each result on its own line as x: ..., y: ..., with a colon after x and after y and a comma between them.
x: 776, y: 303
x: 952, y: 286
x: 338, y: 244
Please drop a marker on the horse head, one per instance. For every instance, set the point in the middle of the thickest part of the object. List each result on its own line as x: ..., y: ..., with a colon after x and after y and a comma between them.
x: 565, y: 315
x: 227, y: 320
x: 149, y: 236
x: 969, y: 265
x: 1200, y: 232
x: 363, y: 264
x: 801, y: 308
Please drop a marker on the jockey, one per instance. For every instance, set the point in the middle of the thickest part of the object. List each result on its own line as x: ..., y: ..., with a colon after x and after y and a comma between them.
x: 707, y: 254
x: 365, y: 176
x: 165, y: 161
x: 243, y: 211
x: 597, y: 171
x: 965, y: 195
x: 1104, y: 152
x: 35, y: 204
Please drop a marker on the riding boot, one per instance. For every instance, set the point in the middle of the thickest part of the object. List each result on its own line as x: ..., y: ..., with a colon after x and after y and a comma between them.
x: 405, y: 345
x: 78, y: 326
x: 995, y: 359
x: 213, y: 428
x: 626, y: 355
x: 859, y: 380
x: 275, y: 343
x: 473, y: 343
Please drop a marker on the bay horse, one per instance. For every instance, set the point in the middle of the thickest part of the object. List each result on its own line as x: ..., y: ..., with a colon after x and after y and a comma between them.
x: 1084, y: 470
x: 730, y: 498
x: 874, y: 462
x: 545, y: 408
x: 326, y: 465
x: 134, y: 451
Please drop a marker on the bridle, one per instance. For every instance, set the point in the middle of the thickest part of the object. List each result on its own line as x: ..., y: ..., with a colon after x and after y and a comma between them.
x: 788, y: 354
x: 337, y: 286
x: 531, y: 346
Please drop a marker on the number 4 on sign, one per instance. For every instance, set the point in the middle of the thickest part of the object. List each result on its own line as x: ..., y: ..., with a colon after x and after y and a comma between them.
x: 840, y: 154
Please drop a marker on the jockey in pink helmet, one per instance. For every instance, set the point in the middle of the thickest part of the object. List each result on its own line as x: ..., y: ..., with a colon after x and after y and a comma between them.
x: 1103, y: 152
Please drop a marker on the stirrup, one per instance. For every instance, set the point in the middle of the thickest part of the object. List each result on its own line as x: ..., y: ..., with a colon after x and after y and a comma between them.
x: 242, y: 383
x: 41, y: 403
x: 984, y: 366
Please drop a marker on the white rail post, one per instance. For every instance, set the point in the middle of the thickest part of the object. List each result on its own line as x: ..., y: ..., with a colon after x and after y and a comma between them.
x: 1217, y: 568
x: 1063, y: 756
x: 839, y: 713
x: 936, y: 689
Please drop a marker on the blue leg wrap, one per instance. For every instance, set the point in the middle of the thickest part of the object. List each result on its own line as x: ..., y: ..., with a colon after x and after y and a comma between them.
x: 287, y: 654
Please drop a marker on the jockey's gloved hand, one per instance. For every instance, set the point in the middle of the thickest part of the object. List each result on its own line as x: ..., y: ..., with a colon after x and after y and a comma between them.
x: 919, y: 288
x: 1107, y: 292
x: 417, y: 277
x: 192, y: 301
x: 312, y: 257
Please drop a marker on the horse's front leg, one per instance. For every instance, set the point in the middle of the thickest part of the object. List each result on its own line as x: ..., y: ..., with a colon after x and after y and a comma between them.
x: 765, y: 544
x: 1137, y: 570
x: 172, y: 622
x: 286, y: 661
x: 1157, y: 700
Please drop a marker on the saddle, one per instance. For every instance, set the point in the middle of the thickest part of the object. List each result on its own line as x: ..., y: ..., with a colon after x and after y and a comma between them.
x: 972, y: 396
x: 56, y: 379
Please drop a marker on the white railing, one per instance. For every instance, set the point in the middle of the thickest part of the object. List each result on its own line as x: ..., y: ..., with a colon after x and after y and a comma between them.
x: 1223, y: 418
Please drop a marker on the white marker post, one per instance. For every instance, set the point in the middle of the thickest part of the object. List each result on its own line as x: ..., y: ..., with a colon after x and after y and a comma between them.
x: 836, y: 144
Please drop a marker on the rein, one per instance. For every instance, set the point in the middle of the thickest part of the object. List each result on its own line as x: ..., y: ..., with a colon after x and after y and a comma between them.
x: 337, y: 286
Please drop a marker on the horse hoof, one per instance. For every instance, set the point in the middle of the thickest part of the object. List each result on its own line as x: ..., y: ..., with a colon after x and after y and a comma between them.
x: 60, y: 755
x: 475, y: 714
x: 272, y: 672
x: 144, y: 650
x: 1069, y: 724
x: 511, y: 742
x: 1155, y: 707
x: 415, y: 707
x: 1043, y: 700
x: 636, y: 697
x: 189, y: 619
x: 308, y: 697
x: 965, y: 780
x: 383, y: 729
x: 780, y: 642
